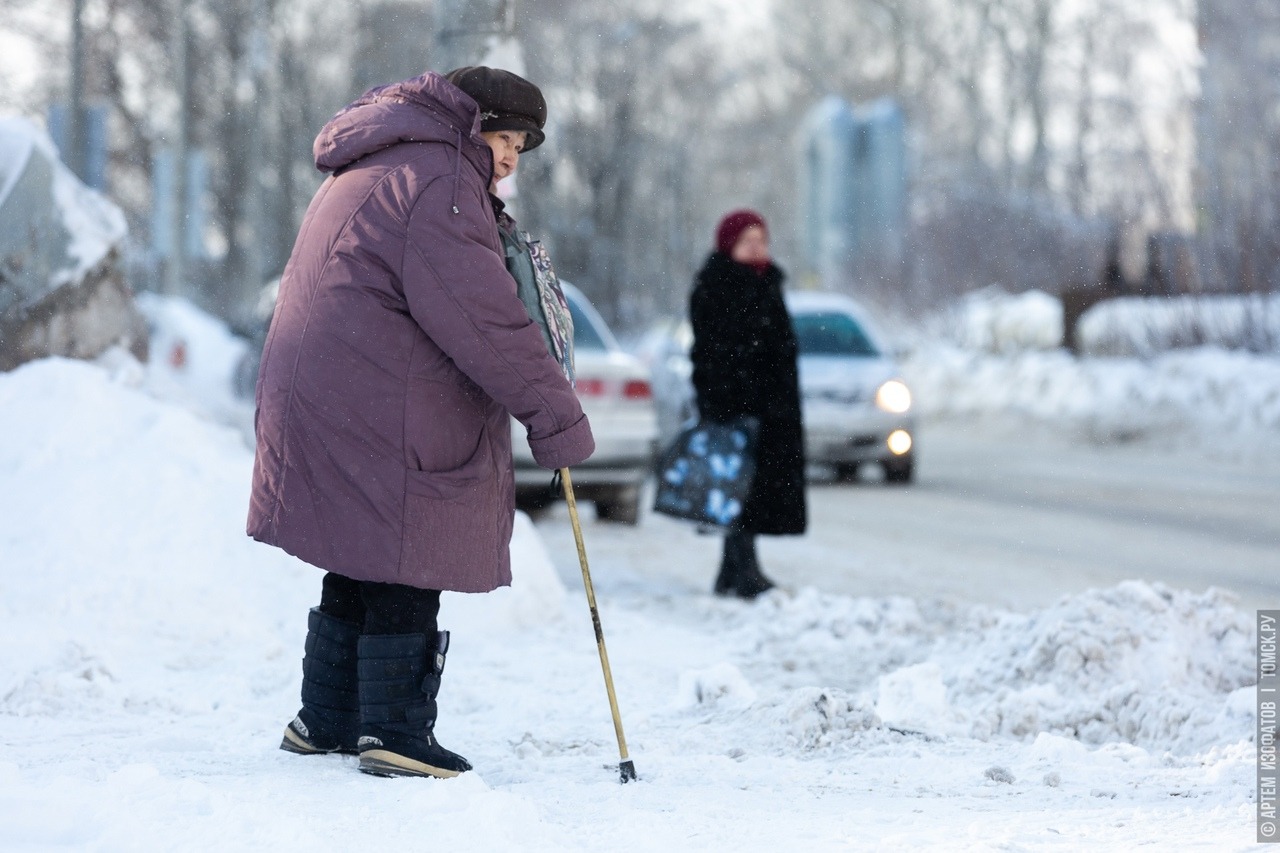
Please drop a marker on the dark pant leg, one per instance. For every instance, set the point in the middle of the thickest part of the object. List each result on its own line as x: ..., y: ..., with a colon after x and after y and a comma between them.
x: 739, y: 548
x: 740, y: 553
x: 340, y: 598
x: 392, y: 608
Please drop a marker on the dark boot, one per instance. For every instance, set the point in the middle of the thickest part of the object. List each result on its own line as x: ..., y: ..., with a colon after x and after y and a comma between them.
x: 330, y: 717
x: 750, y: 581
x: 399, y: 681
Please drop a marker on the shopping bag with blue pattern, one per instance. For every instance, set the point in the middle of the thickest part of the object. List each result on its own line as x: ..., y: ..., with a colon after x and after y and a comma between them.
x: 705, y: 475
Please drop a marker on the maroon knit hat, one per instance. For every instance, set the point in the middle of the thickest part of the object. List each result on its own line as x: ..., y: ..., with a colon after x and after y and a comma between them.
x: 732, y: 226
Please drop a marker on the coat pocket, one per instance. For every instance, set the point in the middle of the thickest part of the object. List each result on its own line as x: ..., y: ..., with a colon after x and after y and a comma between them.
x: 452, y: 526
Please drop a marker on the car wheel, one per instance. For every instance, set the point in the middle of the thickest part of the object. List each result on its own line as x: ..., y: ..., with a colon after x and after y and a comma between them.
x: 846, y: 472
x: 621, y: 506
x: 899, y: 471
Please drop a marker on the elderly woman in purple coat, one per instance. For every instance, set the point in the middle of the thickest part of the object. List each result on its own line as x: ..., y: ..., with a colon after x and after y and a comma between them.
x: 398, y: 350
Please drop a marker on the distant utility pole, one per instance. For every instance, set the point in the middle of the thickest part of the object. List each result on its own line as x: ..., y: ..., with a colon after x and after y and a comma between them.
x: 76, y: 130
x: 175, y: 268
x: 465, y: 28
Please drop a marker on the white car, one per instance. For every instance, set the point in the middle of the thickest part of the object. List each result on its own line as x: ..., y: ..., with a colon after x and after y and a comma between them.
x: 856, y: 407
x: 617, y: 396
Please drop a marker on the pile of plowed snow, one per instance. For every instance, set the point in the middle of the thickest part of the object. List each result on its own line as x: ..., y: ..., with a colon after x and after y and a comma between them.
x: 1137, y: 663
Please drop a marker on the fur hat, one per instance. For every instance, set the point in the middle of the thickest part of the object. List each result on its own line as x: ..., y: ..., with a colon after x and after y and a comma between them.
x: 507, y: 101
x: 732, y: 226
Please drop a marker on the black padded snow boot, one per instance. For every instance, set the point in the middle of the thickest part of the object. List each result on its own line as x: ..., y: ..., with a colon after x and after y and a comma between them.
x: 399, y: 682
x: 330, y: 717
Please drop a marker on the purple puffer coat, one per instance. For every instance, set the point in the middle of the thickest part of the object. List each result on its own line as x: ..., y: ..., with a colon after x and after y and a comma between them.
x: 397, y: 349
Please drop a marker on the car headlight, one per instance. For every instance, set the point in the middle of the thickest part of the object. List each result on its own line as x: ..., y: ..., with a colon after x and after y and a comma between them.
x: 893, y: 396
x: 899, y: 442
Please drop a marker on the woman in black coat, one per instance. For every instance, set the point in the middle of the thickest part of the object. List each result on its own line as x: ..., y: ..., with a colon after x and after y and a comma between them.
x: 744, y: 363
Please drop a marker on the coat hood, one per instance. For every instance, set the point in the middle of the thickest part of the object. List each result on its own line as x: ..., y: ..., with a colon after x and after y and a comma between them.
x: 424, y: 109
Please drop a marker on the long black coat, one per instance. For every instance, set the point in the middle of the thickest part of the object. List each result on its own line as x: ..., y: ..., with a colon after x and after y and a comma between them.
x: 744, y: 363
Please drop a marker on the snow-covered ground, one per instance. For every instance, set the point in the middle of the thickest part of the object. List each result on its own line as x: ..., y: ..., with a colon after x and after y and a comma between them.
x: 151, y: 658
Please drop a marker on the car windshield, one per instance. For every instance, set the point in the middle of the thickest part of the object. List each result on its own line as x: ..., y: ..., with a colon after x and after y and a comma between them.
x: 585, y: 333
x: 831, y: 333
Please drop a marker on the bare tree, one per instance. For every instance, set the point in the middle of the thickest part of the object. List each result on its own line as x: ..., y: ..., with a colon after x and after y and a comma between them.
x: 1027, y: 117
x: 1239, y: 145
x: 612, y: 194
x: 1035, y: 127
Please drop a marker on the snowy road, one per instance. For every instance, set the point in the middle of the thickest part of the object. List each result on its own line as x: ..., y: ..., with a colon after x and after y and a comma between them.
x: 999, y: 515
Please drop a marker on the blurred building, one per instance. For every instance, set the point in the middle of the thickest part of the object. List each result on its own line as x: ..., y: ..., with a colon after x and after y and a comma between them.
x: 853, y: 192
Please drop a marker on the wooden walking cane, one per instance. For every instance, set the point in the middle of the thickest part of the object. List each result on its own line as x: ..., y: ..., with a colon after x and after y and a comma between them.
x: 626, y: 768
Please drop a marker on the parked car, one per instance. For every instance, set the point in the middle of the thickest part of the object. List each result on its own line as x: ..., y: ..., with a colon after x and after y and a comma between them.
x: 664, y: 349
x: 856, y: 407
x: 615, y: 390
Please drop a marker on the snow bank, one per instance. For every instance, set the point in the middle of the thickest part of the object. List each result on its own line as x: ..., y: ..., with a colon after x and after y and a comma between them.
x: 991, y: 320
x: 994, y: 321
x: 1195, y: 366
x: 1144, y: 327
x: 1139, y: 664
x: 1205, y: 391
x: 117, y: 507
